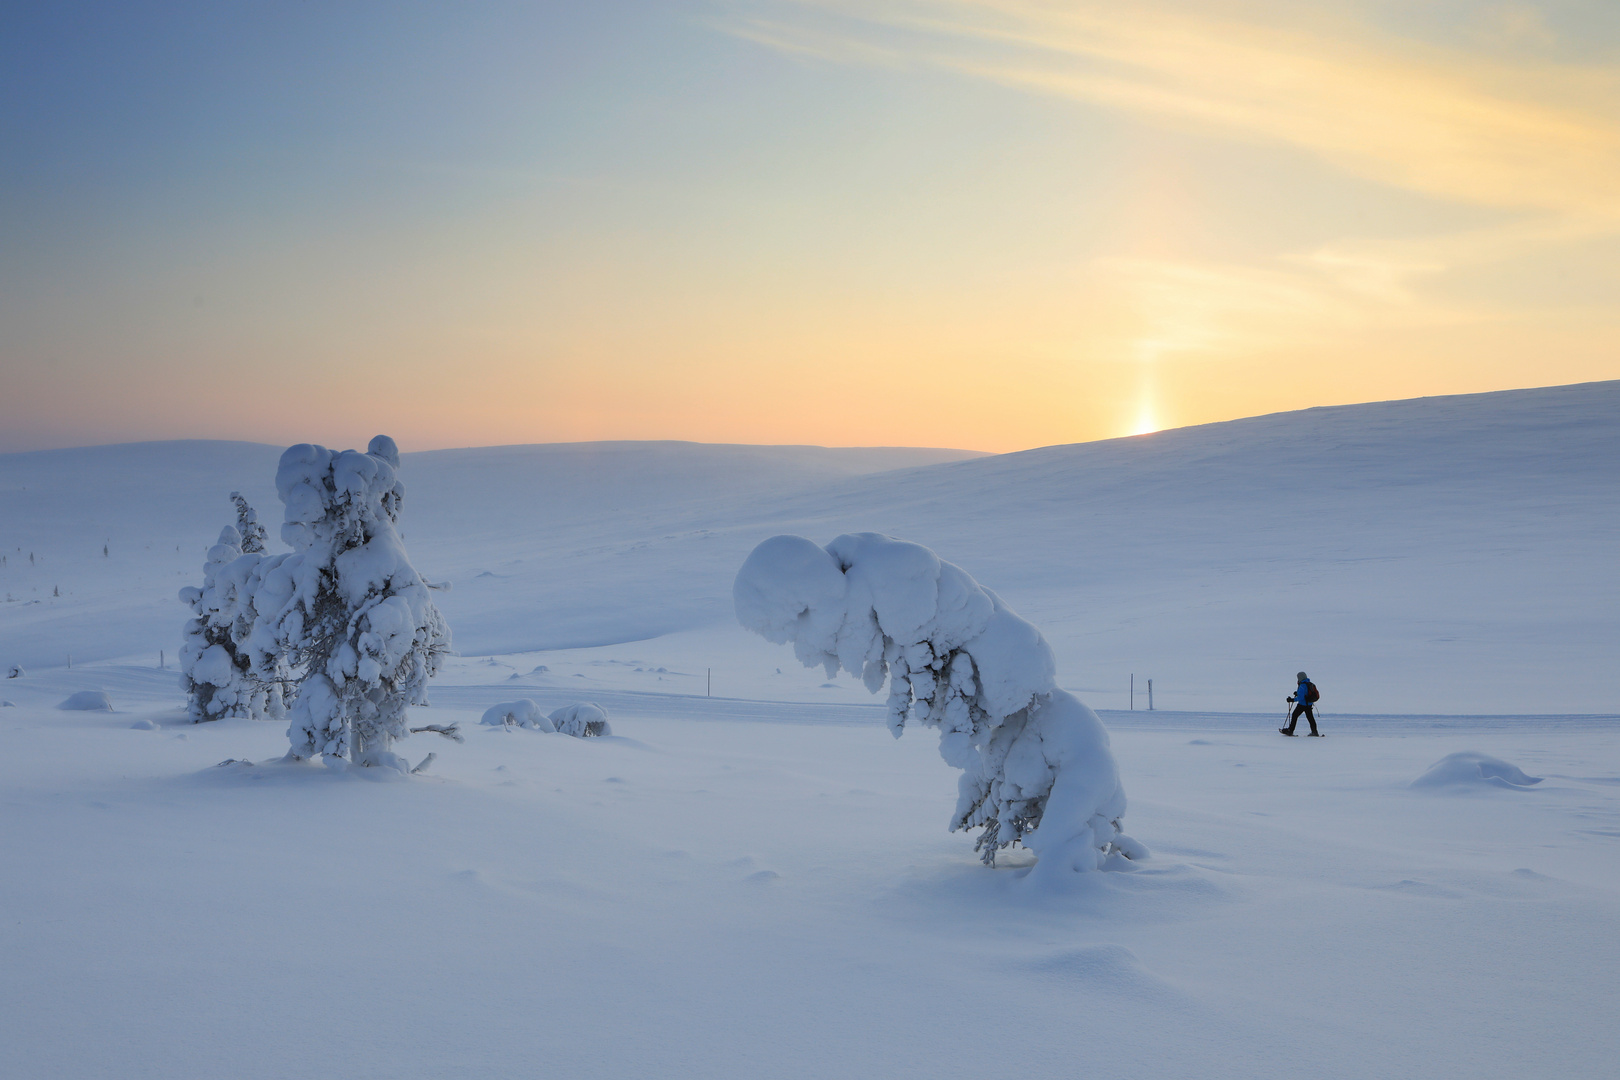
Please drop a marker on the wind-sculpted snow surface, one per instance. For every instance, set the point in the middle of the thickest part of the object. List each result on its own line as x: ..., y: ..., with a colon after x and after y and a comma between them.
x: 1471, y: 769
x: 1036, y: 767
x: 346, y: 608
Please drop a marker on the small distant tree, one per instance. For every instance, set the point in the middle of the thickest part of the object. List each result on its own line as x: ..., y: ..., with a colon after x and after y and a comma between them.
x: 217, y: 669
x: 346, y: 612
x: 247, y: 525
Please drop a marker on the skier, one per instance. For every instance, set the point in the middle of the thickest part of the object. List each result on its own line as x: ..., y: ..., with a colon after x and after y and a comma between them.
x: 1303, y: 697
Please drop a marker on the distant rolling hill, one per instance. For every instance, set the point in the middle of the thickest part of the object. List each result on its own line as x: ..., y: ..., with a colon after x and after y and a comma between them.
x: 1454, y: 554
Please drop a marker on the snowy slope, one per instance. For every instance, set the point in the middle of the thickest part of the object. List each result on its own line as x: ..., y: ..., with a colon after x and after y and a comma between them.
x: 761, y: 883
x: 1436, y: 555
x: 156, y: 507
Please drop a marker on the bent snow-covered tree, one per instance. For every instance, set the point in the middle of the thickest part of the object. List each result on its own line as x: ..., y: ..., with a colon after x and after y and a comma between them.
x: 346, y: 610
x: 1036, y: 767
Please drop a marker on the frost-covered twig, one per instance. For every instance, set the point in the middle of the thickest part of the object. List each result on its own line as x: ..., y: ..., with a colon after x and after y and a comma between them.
x: 452, y: 732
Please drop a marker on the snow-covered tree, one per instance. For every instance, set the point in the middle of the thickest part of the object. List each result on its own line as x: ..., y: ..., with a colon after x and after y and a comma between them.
x: 216, y: 669
x: 1036, y: 765
x: 582, y: 720
x: 247, y: 526
x: 346, y: 611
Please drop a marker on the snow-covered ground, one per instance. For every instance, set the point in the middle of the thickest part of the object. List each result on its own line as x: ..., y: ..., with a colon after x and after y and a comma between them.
x: 760, y: 883
x: 744, y: 889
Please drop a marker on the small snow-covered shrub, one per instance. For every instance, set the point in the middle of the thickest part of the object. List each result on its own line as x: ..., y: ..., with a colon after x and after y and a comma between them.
x: 583, y: 720
x: 346, y: 611
x: 522, y: 713
x: 217, y: 669
x: 15, y: 672
x: 1036, y: 765
x: 88, y: 701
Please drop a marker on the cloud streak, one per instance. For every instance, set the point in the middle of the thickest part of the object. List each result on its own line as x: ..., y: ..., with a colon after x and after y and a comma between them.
x: 1447, y: 123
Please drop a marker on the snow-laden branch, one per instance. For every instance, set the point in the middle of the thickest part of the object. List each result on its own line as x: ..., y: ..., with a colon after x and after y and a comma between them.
x: 1036, y: 767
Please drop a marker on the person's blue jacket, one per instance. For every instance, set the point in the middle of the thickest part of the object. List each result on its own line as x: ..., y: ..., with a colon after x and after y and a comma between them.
x: 1302, y: 692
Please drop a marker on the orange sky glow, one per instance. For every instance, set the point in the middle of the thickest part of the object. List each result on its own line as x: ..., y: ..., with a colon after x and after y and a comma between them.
x: 988, y: 224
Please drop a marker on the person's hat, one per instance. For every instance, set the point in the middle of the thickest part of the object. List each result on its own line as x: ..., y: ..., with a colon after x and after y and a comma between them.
x: 1303, y: 677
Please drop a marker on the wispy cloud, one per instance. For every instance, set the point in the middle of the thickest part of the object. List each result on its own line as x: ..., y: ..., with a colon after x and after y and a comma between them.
x: 1448, y: 123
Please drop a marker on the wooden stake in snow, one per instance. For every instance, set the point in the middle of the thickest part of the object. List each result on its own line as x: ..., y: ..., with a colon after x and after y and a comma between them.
x: 1133, y: 691
x: 1150, y: 695
x: 708, y: 686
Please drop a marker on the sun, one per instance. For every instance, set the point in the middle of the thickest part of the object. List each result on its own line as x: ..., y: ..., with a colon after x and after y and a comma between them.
x: 1146, y: 421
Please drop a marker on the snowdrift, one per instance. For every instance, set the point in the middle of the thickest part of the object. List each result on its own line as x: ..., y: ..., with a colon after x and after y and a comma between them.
x: 87, y: 701
x: 1471, y: 769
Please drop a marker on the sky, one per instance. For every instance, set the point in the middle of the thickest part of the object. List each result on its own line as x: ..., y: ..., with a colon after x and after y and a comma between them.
x: 986, y: 224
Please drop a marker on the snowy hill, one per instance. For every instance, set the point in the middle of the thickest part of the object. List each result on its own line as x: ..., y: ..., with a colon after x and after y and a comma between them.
x: 1435, y: 555
x: 760, y: 883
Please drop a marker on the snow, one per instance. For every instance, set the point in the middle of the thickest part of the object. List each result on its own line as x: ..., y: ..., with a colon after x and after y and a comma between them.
x: 758, y: 883
x: 766, y: 890
x: 523, y: 713
x: 1470, y: 768
x: 87, y: 701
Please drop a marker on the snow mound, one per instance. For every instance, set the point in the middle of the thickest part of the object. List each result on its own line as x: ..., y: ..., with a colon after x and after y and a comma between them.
x: 145, y: 725
x: 582, y: 719
x: 523, y: 713
x: 1036, y: 765
x: 1472, y: 769
x: 88, y: 701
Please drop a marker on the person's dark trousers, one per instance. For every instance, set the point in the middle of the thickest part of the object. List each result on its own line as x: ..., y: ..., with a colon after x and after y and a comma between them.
x: 1302, y: 707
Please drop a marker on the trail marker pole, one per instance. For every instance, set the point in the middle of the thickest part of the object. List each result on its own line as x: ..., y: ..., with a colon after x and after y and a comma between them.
x: 1150, y: 695
x: 1133, y: 691
x: 708, y: 688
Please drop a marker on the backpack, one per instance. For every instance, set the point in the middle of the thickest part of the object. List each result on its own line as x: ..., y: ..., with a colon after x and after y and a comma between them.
x: 1311, y: 692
